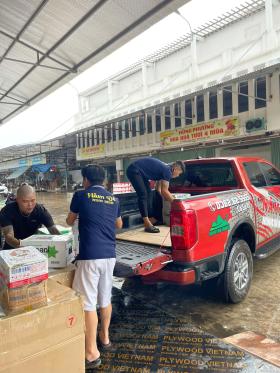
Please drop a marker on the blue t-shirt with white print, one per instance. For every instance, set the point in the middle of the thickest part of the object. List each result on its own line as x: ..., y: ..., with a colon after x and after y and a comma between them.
x: 98, y: 210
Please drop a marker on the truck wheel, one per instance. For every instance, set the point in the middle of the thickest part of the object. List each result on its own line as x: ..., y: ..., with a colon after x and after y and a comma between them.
x: 238, y: 272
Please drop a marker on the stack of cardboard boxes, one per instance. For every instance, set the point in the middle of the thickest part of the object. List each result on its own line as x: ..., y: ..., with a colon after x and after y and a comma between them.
x: 23, y: 273
x: 49, y: 338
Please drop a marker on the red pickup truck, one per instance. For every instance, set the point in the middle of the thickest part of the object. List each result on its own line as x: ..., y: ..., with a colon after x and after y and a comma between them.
x: 231, y: 216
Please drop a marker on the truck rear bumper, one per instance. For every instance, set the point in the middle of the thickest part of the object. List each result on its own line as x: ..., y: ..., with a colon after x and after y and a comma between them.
x: 181, y: 278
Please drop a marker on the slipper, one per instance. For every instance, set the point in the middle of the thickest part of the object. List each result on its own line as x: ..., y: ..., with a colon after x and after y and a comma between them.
x: 152, y: 229
x: 104, y: 346
x: 92, y: 364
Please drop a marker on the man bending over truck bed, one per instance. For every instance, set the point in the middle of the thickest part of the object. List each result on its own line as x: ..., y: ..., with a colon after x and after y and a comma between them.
x: 140, y: 172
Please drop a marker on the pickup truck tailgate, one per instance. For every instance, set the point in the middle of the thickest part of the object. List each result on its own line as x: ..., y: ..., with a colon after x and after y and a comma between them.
x: 139, y: 259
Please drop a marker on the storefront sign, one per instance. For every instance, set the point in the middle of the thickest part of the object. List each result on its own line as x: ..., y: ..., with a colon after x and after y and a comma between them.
x: 38, y: 159
x: 24, y: 162
x: 209, y: 130
x: 90, y: 152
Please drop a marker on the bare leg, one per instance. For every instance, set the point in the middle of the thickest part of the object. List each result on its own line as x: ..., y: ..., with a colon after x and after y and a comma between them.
x: 105, y: 316
x: 147, y: 222
x: 153, y: 220
x: 91, y: 319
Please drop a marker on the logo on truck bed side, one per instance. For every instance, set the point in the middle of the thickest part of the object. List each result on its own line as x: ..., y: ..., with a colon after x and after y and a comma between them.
x: 218, y: 226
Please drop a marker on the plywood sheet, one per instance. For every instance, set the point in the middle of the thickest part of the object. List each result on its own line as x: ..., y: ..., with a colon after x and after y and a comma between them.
x: 139, y: 235
x: 258, y: 345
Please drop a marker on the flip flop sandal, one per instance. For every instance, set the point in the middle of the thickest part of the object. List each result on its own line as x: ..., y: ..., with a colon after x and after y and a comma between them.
x: 92, y: 364
x: 152, y: 229
x: 104, y: 346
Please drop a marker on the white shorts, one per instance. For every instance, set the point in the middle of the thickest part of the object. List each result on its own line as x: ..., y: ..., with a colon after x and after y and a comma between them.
x: 94, y: 280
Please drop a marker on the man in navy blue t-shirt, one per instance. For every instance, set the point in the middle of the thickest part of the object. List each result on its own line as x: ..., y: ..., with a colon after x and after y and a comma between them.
x: 98, y: 212
x: 140, y: 173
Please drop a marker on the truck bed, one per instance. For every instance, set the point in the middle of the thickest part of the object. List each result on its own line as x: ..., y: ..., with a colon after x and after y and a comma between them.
x: 161, y: 239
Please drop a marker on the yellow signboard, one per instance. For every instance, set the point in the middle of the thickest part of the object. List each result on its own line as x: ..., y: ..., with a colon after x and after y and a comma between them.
x: 90, y: 152
x: 216, y: 129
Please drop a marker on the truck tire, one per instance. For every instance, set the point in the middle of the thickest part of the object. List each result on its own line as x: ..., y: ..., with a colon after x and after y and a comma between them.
x: 238, y: 272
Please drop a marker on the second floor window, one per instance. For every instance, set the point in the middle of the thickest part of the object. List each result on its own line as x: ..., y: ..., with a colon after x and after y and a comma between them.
x: 213, y: 105
x: 260, y: 92
x: 133, y: 127
x: 126, y: 128
x: 97, y: 137
x: 167, y: 118
x: 142, y: 124
x: 200, y: 108
x: 177, y: 112
x: 149, y: 123
x: 109, y: 133
x: 188, y: 111
x: 158, y: 120
x: 227, y: 100
x: 114, y: 135
x: 120, y: 127
x: 243, y: 100
x: 103, y: 136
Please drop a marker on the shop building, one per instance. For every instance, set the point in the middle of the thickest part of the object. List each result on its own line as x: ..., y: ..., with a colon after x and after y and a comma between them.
x: 214, y: 92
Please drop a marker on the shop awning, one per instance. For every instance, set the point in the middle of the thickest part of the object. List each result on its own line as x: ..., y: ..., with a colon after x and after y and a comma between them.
x: 41, y: 167
x: 17, y: 173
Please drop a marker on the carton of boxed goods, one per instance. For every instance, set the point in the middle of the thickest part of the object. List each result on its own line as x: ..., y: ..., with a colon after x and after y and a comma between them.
x: 49, y: 339
x: 22, y: 266
x: 64, y: 276
x: 24, y: 298
x: 22, y: 275
x: 58, y: 249
x: 166, y: 207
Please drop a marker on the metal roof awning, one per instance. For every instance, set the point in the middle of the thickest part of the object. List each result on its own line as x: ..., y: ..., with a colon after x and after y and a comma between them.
x: 17, y: 173
x: 44, y: 43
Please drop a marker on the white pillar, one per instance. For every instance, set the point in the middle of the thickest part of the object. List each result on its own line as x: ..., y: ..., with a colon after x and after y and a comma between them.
x: 195, y: 71
x: 271, y: 37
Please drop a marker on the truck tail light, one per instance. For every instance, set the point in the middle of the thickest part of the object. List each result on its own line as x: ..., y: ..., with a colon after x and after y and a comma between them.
x: 183, y: 225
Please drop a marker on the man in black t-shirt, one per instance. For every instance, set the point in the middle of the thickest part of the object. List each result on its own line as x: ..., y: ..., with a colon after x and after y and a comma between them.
x: 22, y: 218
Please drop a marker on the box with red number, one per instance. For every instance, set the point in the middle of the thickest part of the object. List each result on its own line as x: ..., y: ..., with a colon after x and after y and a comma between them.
x: 48, y: 339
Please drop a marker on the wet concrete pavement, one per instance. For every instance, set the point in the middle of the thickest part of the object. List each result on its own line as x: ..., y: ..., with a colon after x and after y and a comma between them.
x: 199, y: 306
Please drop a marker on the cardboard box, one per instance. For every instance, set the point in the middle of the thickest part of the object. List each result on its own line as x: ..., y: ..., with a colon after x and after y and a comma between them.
x: 166, y: 206
x: 58, y: 249
x: 25, y: 298
x: 22, y: 266
x: 63, y: 276
x: 47, y: 340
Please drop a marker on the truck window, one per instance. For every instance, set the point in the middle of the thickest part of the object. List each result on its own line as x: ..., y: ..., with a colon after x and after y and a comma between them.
x: 271, y: 174
x: 255, y: 174
x: 206, y: 175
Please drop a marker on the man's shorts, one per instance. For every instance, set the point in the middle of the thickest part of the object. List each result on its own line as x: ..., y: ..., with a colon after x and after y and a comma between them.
x: 94, y: 280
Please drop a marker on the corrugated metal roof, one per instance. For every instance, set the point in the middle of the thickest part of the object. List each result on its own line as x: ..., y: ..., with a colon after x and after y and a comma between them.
x: 44, y: 43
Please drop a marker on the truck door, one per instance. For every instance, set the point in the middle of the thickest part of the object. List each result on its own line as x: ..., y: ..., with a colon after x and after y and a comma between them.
x: 265, y: 190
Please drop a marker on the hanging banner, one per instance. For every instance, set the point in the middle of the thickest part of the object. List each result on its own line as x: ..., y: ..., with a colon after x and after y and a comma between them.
x: 216, y: 129
x: 90, y: 152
